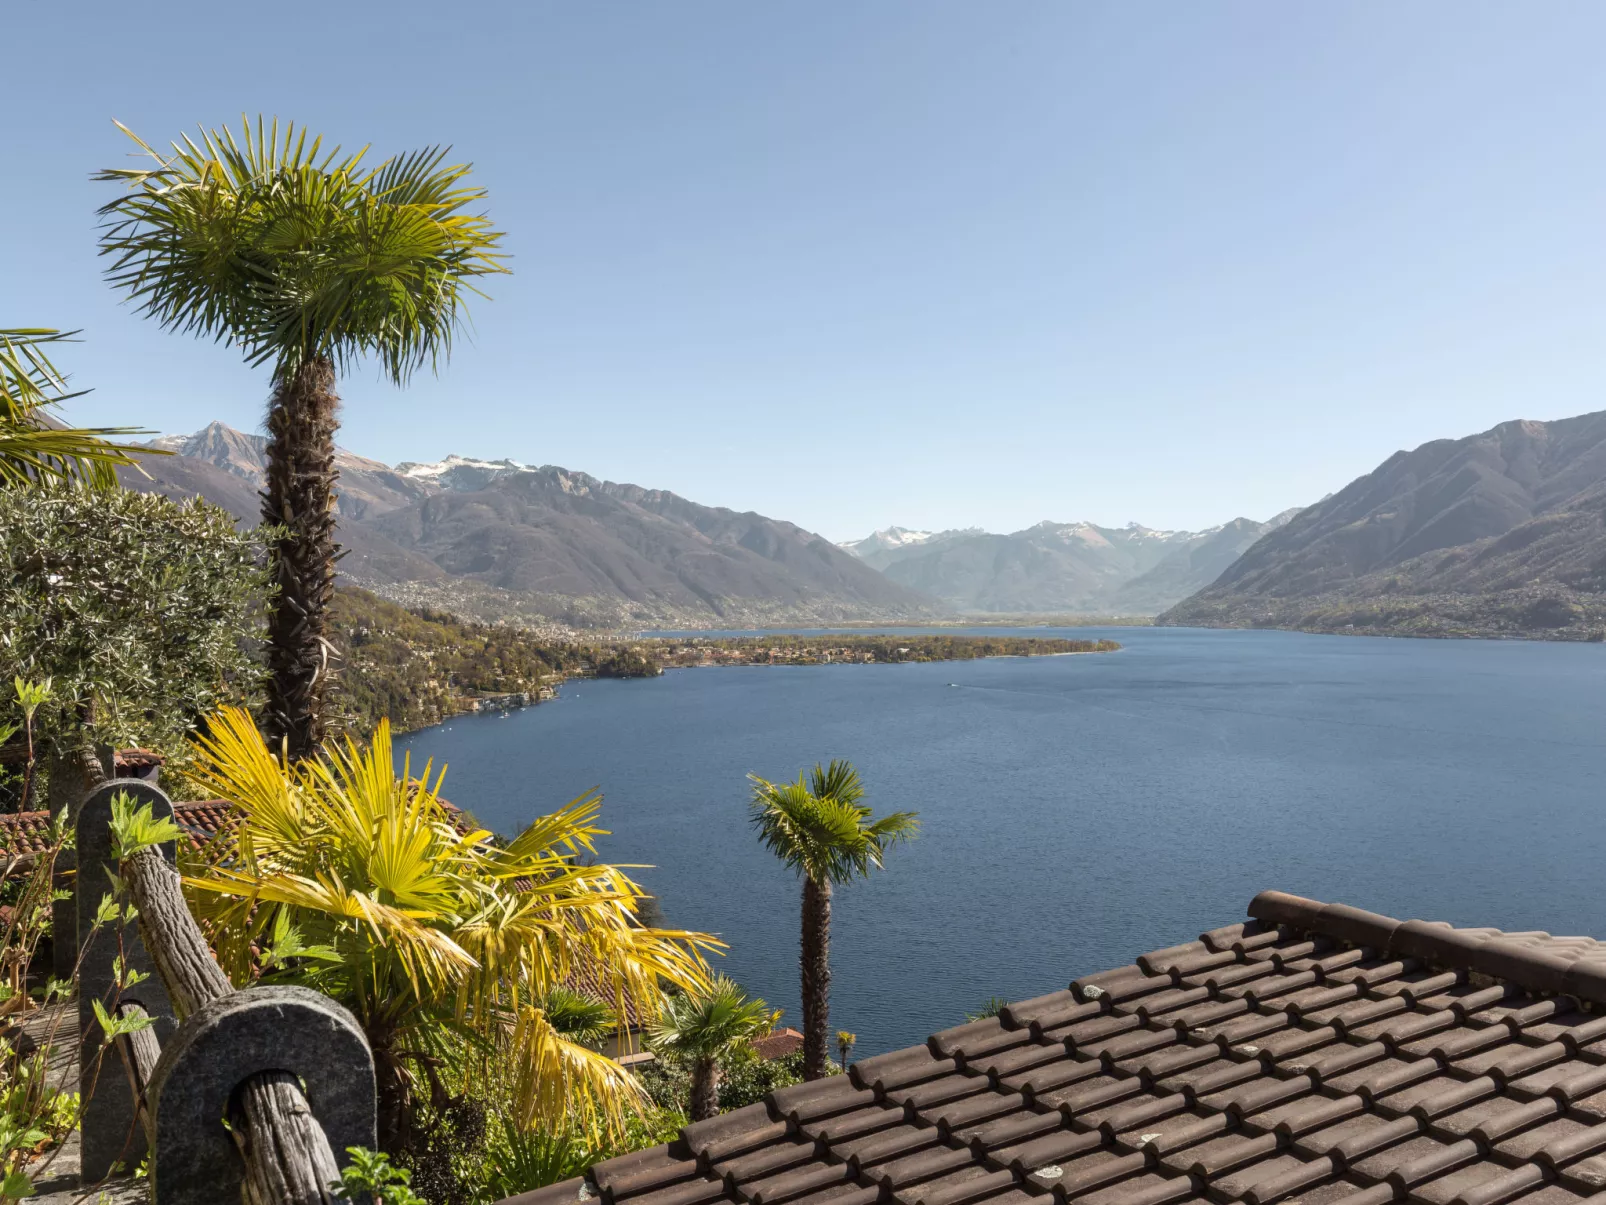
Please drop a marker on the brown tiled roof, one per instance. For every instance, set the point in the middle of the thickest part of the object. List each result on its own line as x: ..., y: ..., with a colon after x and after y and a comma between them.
x: 23, y: 833
x: 1315, y: 1054
x: 778, y: 1043
x: 28, y: 832
x: 137, y: 759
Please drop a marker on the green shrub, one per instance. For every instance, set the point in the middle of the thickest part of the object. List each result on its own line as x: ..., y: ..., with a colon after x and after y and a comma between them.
x: 142, y: 612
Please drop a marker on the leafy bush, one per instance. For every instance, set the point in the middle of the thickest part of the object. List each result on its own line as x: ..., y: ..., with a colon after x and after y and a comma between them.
x: 141, y: 612
x: 744, y: 1077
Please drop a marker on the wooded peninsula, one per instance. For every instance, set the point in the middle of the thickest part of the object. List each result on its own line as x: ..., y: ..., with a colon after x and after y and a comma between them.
x: 420, y: 667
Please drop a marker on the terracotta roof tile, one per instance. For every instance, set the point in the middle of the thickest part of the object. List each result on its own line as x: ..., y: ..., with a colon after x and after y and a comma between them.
x: 28, y: 832
x: 779, y: 1043
x: 24, y: 833
x: 1317, y: 1052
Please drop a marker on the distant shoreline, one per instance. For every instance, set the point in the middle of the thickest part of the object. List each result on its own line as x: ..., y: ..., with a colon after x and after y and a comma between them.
x: 703, y: 651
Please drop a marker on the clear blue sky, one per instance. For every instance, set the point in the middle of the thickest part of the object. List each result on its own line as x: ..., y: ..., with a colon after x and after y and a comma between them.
x: 912, y: 262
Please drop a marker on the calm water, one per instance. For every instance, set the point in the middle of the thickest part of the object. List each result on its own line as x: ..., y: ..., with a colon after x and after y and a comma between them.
x: 1080, y: 810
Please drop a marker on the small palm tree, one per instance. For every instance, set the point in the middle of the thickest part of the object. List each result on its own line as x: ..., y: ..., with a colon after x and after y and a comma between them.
x: 701, y: 1026
x: 818, y: 826
x: 351, y: 878
x: 845, y: 1042
x: 34, y: 448
x: 307, y: 260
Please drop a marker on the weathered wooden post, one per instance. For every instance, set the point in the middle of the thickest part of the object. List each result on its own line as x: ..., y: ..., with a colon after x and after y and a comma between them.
x: 258, y: 1054
x: 110, y: 1111
x: 291, y: 1070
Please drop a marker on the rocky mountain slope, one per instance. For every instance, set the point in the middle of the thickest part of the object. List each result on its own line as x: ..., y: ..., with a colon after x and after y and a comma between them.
x: 1066, y: 567
x: 499, y: 540
x: 1499, y: 533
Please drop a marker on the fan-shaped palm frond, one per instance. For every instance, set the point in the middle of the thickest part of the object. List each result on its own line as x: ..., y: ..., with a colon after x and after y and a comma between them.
x: 34, y: 448
x: 421, y: 925
x: 818, y: 826
x: 269, y: 242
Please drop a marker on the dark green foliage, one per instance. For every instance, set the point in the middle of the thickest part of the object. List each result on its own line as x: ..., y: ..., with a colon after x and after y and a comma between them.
x: 990, y: 1007
x: 142, y: 612
x: 624, y: 663
x: 744, y: 1077
x: 747, y: 1078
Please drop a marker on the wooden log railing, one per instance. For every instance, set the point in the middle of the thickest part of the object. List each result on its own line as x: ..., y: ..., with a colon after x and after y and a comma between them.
x: 263, y: 1056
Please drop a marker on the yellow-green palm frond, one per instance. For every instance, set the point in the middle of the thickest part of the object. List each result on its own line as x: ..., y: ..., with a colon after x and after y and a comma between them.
x: 427, y: 955
x: 34, y: 448
x: 418, y: 923
x: 233, y: 762
x: 555, y: 1079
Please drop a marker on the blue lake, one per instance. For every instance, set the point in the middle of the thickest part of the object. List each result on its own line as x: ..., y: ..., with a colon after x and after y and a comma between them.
x: 1080, y: 810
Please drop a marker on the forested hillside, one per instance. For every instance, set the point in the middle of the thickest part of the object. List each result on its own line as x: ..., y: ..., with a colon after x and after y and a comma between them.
x: 1502, y: 533
x: 419, y: 666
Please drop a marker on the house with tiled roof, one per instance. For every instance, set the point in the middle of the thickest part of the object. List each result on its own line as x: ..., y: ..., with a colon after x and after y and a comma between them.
x: 1314, y: 1054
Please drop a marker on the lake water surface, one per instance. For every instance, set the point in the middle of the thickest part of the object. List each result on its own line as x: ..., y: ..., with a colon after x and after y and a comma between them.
x: 1080, y: 810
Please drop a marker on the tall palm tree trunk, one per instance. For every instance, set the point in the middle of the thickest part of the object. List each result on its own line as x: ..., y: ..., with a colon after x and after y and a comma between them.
x: 704, y: 1088
x: 300, y: 498
x: 816, y: 961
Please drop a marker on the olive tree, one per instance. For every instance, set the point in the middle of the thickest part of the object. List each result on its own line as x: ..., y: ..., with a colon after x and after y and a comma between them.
x: 143, y: 613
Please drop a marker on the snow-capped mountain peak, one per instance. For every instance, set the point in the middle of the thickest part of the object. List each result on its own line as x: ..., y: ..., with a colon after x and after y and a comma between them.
x: 461, y: 472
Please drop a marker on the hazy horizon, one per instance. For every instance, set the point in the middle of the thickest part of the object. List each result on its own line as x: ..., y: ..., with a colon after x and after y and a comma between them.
x: 932, y: 266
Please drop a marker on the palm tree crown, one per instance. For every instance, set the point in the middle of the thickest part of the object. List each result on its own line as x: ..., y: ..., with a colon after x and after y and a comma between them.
x: 701, y: 1025
x: 820, y: 827
x: 818, y: 824
x: 293, y: 253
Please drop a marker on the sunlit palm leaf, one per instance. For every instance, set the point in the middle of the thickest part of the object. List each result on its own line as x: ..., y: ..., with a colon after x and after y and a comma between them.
x: 434, y: 925
x: 35, y: 449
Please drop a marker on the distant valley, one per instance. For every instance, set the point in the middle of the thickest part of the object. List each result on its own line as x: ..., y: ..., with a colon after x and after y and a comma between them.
x: 1499, y: 533
x: 499, y: 540
x: 1068, y: 567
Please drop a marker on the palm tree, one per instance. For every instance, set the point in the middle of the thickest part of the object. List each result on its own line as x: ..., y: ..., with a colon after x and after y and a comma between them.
x: 701, y: 1026
x: 818, y: 826
x: 35, y: 448
x: 307, y: 261
x: 351, y: 878
x: 845, y: 1042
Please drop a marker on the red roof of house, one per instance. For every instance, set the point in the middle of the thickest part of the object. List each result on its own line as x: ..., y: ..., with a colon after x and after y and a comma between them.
x: 778, y: 1043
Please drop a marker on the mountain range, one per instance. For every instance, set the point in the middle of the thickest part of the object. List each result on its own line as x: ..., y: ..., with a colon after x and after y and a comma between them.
x: 507, y: 541
x: 1499, y: 533
x: 1067, y: 567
